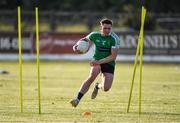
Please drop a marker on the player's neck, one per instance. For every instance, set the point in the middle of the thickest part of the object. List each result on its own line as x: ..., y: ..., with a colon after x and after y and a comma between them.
x: 105, y: 34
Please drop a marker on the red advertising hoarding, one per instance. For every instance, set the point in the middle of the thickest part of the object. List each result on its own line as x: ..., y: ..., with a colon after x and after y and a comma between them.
x: 61, y: 43
x: 58, y: 43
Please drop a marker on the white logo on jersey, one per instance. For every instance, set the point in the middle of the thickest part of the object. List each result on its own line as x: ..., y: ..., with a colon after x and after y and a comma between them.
x: 103, y: 42
x: 97, y: 40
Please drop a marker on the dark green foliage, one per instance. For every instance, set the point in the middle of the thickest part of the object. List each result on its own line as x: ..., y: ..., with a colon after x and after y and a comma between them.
x: 157, y: 6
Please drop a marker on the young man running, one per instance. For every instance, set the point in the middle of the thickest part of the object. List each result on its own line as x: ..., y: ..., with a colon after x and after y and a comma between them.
x: 106, y: 50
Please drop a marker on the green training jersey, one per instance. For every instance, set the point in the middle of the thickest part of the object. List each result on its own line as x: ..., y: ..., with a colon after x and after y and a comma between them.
x: 103, y: 45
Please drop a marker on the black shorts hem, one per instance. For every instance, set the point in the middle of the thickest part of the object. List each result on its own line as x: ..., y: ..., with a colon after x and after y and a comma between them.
x: 107, y: 68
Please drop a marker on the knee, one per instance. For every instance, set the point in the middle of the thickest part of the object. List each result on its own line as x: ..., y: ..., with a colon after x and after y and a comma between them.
x: 106, y: 89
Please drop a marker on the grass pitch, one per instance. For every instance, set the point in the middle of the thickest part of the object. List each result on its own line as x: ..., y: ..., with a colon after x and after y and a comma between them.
x: 60, y: 82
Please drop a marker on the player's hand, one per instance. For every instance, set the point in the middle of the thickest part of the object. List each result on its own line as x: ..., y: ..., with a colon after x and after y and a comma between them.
x: 94, y: 63
x: 75, y: 49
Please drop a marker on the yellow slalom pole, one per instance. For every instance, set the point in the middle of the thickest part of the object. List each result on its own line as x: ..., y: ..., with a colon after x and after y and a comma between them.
x: 38, y: 59
x: 135, y: 62
x: 141, y: 55
x: 20, y: 57
x: 134, y: 72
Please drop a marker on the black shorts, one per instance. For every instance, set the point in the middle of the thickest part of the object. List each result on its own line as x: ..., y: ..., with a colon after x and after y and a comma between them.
x: 107, y: 68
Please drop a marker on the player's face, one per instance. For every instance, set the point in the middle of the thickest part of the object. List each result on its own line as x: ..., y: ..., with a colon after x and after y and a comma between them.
x: 106, y: 29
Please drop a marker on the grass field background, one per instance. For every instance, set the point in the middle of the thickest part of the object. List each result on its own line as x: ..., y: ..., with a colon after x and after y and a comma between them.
x: 61, y: 80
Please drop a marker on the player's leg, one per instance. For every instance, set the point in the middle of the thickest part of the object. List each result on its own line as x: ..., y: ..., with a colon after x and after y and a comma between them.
x: 94, y: 71
x: 107, y: 79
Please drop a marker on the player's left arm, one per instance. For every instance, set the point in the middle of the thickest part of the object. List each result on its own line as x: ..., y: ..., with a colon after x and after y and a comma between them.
x: 114, y: 52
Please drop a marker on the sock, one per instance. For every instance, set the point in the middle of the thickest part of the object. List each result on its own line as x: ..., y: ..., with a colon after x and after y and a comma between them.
x: 80, y: 95
x: 97, y: 86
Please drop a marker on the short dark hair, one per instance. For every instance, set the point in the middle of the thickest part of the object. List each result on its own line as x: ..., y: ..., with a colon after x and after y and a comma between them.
x: 106, y: 21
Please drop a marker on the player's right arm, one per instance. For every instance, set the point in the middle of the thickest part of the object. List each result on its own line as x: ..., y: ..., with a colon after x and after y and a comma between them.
x: 75, y: 49
x: 88, y: 38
